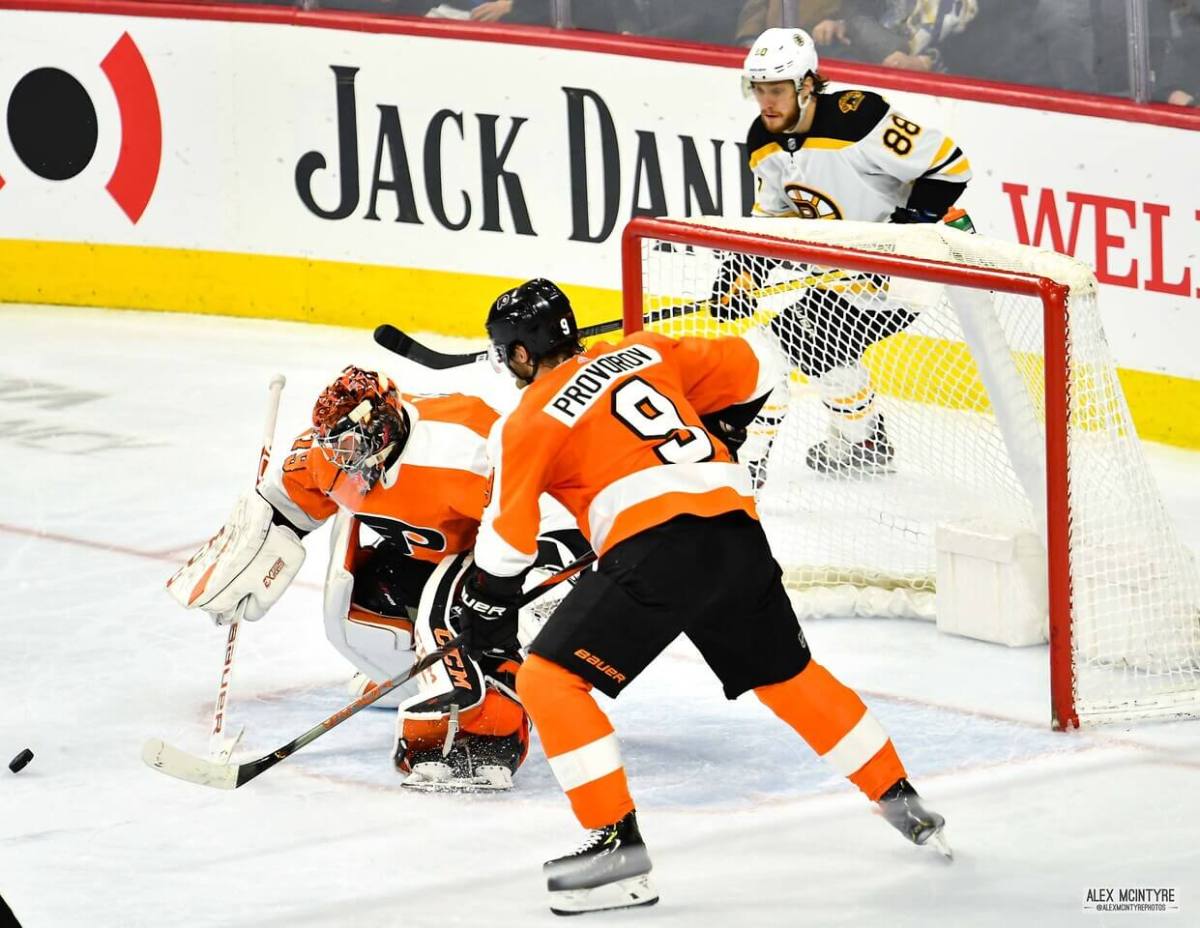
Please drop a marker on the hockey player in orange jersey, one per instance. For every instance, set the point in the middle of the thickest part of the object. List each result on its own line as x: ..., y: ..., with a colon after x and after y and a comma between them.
x: 637, y: 440
x: 413, y: 471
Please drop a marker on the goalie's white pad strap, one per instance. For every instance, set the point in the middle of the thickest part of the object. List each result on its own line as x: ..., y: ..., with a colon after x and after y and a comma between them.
x: 249, y: 557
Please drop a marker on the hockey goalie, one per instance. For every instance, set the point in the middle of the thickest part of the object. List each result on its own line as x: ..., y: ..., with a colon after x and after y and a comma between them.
x: 404, y: 480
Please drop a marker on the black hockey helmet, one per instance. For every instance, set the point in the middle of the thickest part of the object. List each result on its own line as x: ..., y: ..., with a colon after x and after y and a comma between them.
x: 538, y: 316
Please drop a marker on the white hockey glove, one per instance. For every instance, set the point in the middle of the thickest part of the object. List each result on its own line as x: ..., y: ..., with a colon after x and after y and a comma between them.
x: 249, y: 557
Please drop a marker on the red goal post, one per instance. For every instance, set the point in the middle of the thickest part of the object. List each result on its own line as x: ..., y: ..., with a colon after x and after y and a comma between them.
x: 656, y: 255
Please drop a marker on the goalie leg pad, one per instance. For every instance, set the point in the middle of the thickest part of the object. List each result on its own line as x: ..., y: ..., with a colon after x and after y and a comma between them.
x: 481, y: 753
x: 456, y: 680
x: 464, y: 715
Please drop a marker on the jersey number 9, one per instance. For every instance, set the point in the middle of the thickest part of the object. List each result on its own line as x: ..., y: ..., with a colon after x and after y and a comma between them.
x: 649, y: 414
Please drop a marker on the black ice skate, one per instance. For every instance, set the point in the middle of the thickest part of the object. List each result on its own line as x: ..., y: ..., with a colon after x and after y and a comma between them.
x: 474, y: 764
x: 901, y: 806
x: 610, y: 870
x: 838, y: 457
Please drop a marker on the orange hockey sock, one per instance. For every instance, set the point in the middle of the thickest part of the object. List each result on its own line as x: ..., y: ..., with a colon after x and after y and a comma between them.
x: 838, y: 726
x: 578, y: 740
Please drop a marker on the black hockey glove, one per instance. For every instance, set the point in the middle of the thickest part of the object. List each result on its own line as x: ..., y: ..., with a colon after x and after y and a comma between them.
x: 956, y: 218
x: 734, y: 436
x: 489, y: 611
x: 903, y: 215
x: 729, y: 424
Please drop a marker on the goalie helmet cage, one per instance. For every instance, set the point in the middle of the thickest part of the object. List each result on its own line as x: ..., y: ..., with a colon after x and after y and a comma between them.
x: 1005, y: 409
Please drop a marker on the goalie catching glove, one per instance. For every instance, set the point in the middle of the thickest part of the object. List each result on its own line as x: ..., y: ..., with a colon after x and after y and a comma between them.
x: 250, y: 558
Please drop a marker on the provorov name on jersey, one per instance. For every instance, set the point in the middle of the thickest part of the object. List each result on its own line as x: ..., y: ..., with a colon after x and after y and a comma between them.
x: 594, y: 378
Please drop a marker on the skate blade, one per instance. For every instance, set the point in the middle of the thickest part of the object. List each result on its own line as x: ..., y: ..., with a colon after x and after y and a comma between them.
x: 941, y: 845
x: 623, y: 894
x: 455, y: 785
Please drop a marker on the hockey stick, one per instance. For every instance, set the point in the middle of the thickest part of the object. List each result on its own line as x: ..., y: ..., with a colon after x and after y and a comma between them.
x: 389, y: 337
x: 221, y: 746
x: 174, y: 762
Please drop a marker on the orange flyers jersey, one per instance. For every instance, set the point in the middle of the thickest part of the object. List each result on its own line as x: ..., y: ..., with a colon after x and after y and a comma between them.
x: 430, y: 501
x: 615, y: 436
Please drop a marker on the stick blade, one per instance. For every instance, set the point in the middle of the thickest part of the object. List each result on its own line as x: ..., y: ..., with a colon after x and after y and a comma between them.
x: 183, y: 766
x: 391, y: 338
x: 222, y: 746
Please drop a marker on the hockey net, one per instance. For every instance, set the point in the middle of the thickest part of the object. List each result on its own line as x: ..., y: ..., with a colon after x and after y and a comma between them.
x: 1002, y: 401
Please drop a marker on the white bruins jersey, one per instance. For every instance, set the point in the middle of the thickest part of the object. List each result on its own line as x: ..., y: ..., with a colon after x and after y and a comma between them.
x: 858, y: 161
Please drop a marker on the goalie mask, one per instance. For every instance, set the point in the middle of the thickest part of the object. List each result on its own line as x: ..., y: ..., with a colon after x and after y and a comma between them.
x: 536, y: 315
x: 359, y: 423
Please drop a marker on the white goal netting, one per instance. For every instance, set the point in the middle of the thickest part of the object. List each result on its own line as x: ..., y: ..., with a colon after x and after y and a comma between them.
x: 961, y: 384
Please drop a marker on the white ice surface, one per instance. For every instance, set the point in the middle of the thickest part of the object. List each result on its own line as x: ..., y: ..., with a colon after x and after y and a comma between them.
x: 126, y: 438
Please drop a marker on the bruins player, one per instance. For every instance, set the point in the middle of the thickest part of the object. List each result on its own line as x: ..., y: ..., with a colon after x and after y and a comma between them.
x: 626, y: 437
x: 412, y: 470
x: 842, y: 155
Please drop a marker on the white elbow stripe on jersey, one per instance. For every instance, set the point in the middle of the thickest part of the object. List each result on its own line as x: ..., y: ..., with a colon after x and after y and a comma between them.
x: 862, y: 742
x: 772, y: 367
x: 497, y: 556
x: 643, y: 486
x: 583, y: 765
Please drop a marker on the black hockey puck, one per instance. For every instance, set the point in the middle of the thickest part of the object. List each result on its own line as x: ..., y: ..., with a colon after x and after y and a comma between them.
x: 21, y: 761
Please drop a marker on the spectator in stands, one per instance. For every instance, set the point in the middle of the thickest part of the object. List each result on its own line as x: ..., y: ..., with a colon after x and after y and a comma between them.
x: 895, y: 33
x: 847, y: 29
x: 512, y: 11
x: 759, y: 15
x: 1179, y: 78
x: 709, y: 21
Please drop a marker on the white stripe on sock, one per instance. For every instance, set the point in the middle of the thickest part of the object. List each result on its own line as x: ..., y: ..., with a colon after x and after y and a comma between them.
x: 590, y: 762
x: 858, y: 745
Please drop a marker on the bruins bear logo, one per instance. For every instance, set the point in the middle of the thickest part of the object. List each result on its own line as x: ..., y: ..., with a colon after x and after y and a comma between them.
x: 851, y: 100
x: 811, y: 204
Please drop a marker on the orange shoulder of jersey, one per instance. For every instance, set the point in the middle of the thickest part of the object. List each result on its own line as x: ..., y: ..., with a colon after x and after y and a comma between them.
x: 615, y: 435
x: 719, y: 372
x: 457, y: 408
x: 431, y: 499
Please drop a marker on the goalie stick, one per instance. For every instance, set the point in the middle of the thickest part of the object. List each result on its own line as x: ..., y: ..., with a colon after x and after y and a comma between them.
x: 174, y: 762
x: 389, y: 337
x: 221, y: 745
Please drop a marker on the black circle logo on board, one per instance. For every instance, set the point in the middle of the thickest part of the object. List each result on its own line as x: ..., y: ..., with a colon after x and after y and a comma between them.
x: 52, y: 124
